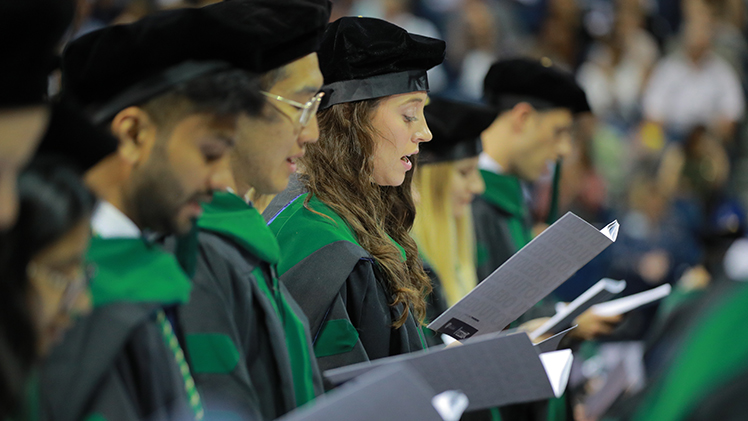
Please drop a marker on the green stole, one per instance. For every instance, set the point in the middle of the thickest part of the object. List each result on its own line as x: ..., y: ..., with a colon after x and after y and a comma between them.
x: 133, y: 270
x: 327, y: 229
x: 229, y: 215
x: 505, y: 192
x: 714, y: 352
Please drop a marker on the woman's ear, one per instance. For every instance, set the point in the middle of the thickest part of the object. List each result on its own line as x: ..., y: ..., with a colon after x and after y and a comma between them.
x: 136, y: 133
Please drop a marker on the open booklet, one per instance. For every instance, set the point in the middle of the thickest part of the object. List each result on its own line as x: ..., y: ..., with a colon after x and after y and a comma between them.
x: 603, y: 290
x: 625, y: 304
x: 528, y: 276
x: 393, y: 393
x: 492, y: 370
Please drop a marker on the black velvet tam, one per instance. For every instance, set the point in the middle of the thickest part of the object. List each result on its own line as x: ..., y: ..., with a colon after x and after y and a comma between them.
x: 539, y: 83
x: 124, y: 65
x: 30, y: 31
x: 456, y: 127
x: 365, y: 58
x: 71, y: 135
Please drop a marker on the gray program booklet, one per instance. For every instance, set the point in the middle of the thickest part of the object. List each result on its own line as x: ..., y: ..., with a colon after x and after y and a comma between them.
x: 526, y: 278
x: 395, y: 393
x: 492, y: 370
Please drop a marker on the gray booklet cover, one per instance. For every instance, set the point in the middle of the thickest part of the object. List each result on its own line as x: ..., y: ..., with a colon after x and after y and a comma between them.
x: 528, y: 276
x: 492, y: 370
x: 394, y: 393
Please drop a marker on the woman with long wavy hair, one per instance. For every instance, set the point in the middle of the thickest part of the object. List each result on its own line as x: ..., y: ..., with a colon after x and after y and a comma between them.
x: 343, y: 228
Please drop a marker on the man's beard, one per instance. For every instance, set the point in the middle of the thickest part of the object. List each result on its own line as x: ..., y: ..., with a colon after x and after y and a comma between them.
x: 158, y: 197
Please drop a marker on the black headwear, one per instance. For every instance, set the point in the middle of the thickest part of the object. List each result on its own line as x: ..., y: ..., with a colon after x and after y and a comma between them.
x: 543, y: 86
x: 365, y: 58
x: 456, y: 127
x: 118, y: 66
x: 30, y: 31
x: 72, y: 136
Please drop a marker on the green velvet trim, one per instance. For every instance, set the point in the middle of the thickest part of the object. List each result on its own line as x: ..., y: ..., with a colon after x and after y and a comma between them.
x: 128, y: 269
x: 505, y: 192
x: 303, y: 232
x: 211, y: 353
x: 555, y: 191
x: 296, y: 340
x: 337, y: 337
x: 495, y: 414
x: 95, y: 417
x: 557, y: 408
x: 714, y: 353
x: 229, y: 215
x: 293, y: 226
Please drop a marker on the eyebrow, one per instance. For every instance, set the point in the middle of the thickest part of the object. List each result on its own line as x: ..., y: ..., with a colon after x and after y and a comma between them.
x: 412, y: 100
x: 308, y: 90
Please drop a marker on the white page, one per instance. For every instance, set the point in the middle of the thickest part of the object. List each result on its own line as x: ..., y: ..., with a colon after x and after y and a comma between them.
x: 601, y: 291
x: 557, y: 366
x: 450, y: 404
x: 626, y: 304
x: 528, y: 276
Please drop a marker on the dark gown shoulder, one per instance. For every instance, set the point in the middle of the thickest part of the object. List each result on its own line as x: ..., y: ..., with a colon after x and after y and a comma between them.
x: 114, y: 364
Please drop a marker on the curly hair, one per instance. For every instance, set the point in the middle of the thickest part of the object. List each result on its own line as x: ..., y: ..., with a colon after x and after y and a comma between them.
x: 338, y: 169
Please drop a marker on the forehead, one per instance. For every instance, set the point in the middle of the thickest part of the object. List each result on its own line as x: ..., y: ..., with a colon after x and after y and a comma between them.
x: 418, y: 97
x: 300, y: 77
x: 557, y: 116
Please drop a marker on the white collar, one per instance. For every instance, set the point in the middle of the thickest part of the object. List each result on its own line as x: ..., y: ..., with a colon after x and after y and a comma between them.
x: 487, y: 163
x: 109, y: 222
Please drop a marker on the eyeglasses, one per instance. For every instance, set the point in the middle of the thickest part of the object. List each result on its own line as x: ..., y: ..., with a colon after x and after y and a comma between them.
x: 307, y: 110
x: 71, y: 286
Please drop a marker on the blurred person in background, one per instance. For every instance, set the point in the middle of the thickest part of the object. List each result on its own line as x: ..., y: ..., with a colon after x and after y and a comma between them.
x: 694, y: 86
x: 446, y: 181
x: 46, y: 282
x: 618, y: 65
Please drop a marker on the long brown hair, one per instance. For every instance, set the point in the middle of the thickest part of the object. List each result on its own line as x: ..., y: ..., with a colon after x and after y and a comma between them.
x: 338, y: 169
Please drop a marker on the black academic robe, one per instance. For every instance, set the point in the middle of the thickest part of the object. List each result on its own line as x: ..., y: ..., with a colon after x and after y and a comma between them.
x: 121, y: 362
x: 113, y: 365
x: 338, y: 286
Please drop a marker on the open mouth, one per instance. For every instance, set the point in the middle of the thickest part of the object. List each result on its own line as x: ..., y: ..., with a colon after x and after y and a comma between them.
x: 406, y: 158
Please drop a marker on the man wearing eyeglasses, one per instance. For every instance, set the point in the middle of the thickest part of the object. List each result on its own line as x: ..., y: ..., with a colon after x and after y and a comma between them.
x: 237, y: 309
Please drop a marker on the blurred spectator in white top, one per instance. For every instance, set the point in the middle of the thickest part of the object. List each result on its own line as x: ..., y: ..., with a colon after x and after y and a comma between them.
x: 618, y: 65
x: 694, y: 86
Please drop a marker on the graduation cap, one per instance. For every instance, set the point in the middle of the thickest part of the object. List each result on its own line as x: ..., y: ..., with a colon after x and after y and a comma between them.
x: 31, y: 31
x: 536, y: 82
x: 123, y: 65
x: 366, y: 58
x: 456, y: 127
x: 71, y: 135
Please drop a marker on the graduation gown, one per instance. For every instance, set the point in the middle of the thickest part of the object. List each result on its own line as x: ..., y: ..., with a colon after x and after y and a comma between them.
x: 249, y: 351
x: 115, y: 363
x: 337, y: 284
x: 502, y: 227
x: 706, y: 373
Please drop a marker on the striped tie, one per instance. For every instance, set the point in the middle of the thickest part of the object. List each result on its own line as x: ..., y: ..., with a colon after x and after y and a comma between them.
x: 189, y: 383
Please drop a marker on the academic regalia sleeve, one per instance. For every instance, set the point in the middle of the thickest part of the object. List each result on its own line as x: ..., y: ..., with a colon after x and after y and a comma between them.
x: 316, y: 372
x: 235, y: 346
x: 114, y: 365
x: 348, y: 308
x: 494, y: 243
